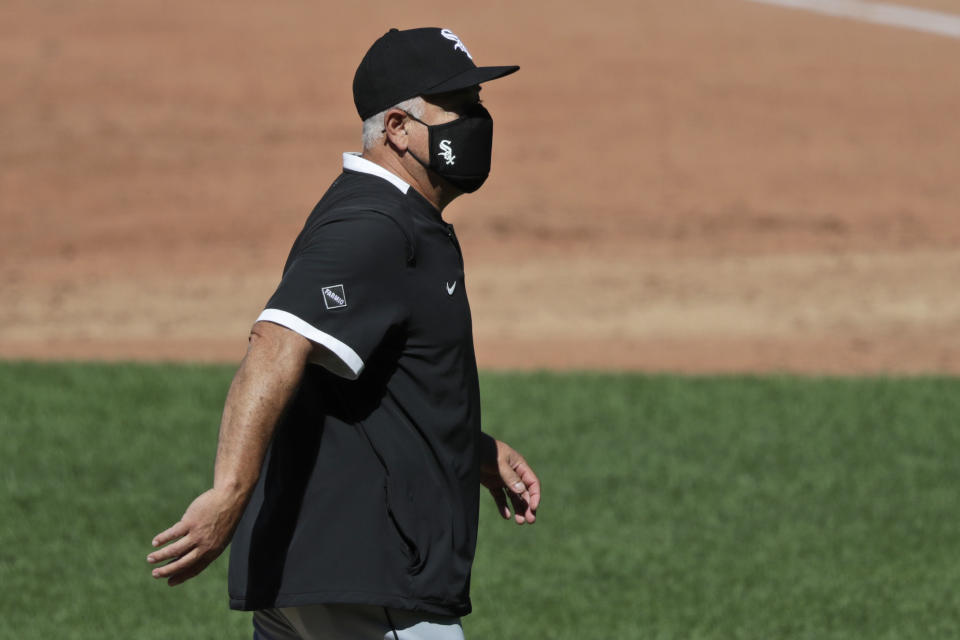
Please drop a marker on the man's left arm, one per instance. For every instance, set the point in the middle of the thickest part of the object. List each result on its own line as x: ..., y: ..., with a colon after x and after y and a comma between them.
x: 508, y: 476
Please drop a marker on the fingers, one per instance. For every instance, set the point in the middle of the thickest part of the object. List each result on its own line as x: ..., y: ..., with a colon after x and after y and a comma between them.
x: 177, y: 566
x: 520, y: 508
x: 501, y: 500
x: 174, y: 550
x: 524, y: 490
x: 520, y: 481
x: 176, y: 531
x: 185, y: 575
x: 531, y: 483
x: 187, y: 559
x: 183, y: 555
x: 510, y: 478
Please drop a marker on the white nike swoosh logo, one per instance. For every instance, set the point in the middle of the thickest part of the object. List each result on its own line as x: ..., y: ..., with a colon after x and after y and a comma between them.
x: 451, y: 287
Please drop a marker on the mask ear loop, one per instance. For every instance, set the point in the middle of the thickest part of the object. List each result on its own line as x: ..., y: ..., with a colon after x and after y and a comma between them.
x: 413, y: 117
x: 410, y: 151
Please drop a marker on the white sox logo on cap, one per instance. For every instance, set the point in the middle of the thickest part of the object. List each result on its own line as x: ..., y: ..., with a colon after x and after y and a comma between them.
x: 458, y: 43
x: 416, y: 62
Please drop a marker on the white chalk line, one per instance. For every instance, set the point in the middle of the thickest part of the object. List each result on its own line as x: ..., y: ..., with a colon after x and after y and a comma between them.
x: 926, y: 20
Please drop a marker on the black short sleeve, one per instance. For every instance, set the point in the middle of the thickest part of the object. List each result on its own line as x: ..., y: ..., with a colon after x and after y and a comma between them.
x: 342, y: 288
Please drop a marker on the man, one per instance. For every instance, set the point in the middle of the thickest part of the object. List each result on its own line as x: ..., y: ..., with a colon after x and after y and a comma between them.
x: 350, y: 453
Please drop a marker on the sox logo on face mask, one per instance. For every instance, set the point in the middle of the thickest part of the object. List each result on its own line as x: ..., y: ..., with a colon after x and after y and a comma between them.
x: 472, y: 133
x: 458, y: 44
x: 446, y: 151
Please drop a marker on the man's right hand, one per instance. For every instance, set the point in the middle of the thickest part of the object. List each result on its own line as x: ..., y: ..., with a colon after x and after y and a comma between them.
x: 264, y: 383
x: 198, y: 538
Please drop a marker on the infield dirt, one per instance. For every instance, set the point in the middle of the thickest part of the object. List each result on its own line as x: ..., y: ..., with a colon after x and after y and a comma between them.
x: 696, y: 187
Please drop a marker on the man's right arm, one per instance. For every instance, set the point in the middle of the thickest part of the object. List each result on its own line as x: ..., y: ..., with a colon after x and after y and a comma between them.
x: 263, y: 386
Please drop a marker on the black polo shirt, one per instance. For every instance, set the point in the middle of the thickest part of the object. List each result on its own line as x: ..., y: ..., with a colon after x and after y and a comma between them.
x: 369, y: 491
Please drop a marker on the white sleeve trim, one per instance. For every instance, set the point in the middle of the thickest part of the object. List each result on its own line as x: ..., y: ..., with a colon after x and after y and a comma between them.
x: 347, y: 363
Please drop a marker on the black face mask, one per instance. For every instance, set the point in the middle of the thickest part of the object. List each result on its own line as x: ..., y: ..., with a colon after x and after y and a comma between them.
x: 460, y: 150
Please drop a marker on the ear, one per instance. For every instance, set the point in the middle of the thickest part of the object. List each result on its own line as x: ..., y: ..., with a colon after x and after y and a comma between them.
x: 394, y: 127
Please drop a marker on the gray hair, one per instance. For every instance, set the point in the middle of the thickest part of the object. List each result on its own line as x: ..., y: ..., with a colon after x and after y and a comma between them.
x: 373, y: 126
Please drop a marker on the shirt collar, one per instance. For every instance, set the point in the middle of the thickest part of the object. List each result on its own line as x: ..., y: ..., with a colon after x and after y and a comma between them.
x: 353, y: 162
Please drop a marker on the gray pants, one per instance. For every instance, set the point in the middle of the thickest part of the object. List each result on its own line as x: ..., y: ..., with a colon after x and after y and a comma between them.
x: 352, y: 622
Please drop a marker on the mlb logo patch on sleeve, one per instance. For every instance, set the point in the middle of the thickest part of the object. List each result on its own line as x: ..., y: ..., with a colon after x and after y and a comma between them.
x: 334, y: 297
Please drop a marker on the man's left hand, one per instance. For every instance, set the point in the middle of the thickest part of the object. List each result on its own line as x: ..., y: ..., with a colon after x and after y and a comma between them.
x: 507, y: 475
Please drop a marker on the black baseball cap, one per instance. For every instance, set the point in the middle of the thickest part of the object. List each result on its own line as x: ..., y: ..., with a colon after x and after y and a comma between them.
x: 416, y: 62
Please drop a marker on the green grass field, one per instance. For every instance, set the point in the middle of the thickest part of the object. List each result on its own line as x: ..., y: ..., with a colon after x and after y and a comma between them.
x: 729, y: 507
